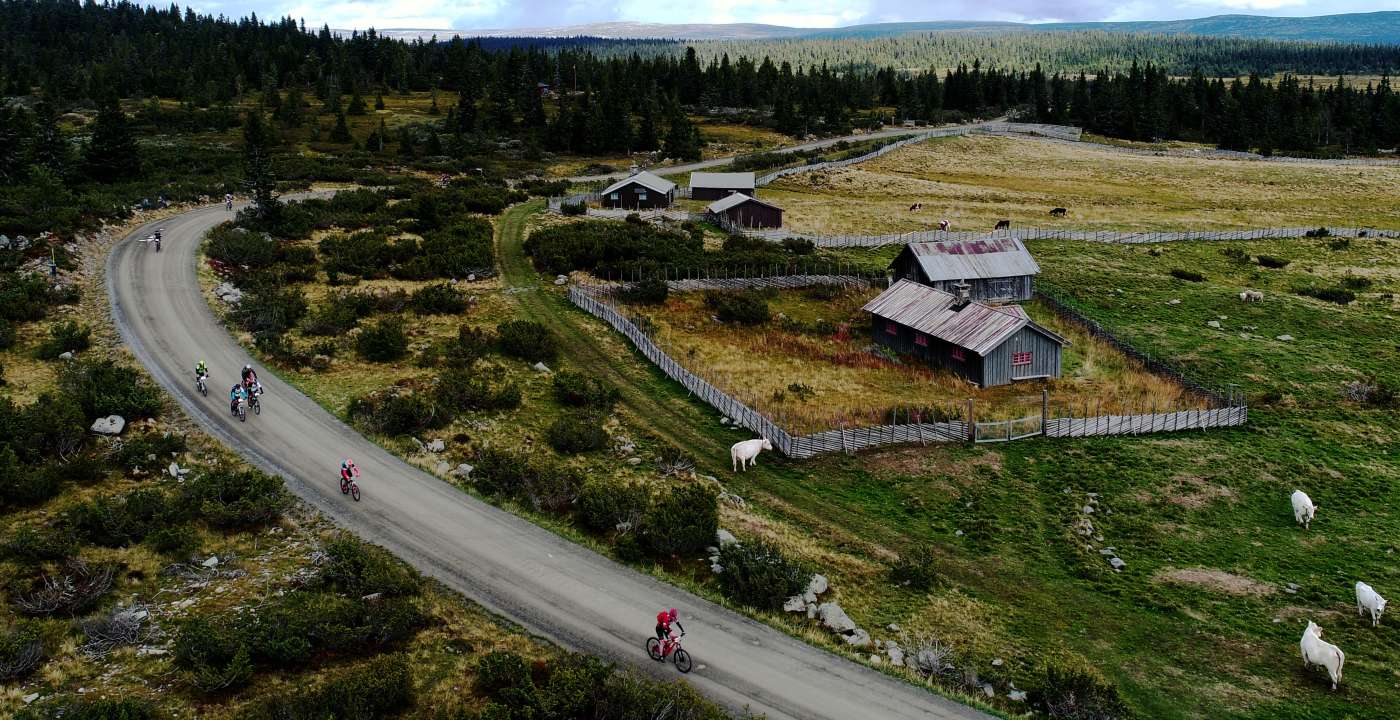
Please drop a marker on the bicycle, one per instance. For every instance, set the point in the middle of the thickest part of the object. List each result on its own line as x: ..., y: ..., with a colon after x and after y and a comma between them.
x: 348, y: 486
x: 658, y: 651
x: 253, y: 400
x: 199, y: 382
x: 242, y: 410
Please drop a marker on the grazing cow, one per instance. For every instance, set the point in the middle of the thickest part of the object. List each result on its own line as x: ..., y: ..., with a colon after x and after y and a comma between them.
x: 1059, y: 212
x: 1251, y: 295
x: 1317, y: 651
x: 944, y: 225
x: 745, y: 452
x: 1303, y: 508
x: 916, y: 207
x: 1368, y: 599
x: 1002, y: 225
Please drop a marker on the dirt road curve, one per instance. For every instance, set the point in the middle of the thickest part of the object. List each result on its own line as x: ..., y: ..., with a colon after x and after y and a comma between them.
x: 550, y: 586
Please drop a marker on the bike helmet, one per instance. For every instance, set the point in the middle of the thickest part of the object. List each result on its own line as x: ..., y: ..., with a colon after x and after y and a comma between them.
x: 673, y: 614
x: 247, y: 367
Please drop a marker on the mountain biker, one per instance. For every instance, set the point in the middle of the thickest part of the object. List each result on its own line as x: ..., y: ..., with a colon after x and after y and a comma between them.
x: 201, y: 370
x: 348, y: 469
x: 663, y: 624
x: 228, y: 201
x: 234, y: 395
x: 250, y: 378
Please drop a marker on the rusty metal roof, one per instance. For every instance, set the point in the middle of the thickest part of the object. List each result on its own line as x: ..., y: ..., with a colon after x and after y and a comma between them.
x: 977, y: 327
x: 646, y: 180
x: 734, y: 199
x: 989, y: 257
x: 722, y: 181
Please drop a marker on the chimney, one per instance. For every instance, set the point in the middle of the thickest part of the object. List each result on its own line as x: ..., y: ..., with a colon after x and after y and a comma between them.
x: 964, y: 293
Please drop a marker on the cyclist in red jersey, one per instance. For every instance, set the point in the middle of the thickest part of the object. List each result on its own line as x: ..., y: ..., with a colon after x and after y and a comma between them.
x: 663, y: 624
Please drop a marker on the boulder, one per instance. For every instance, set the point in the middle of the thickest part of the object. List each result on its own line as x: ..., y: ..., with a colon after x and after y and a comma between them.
x: 1117, y: 563
x: 892, y: 627
x: 1213, y: 323
x: 174, y: 470
x: 211, y: 562
x: 724, y: 537
x: 817, y: 585
x: 110, y: 425
x: 834, y: 618
x: 1016, y: 695
x: 540, y: 367
x: 716, y: 568
x: 858, y: 638
x: 1284, y: 338
x: 795, y: 604
x: 436, y: 446
x: 444, y: 468
x: 561, y: 280
x: 66, y: 355
x: 463, y: 470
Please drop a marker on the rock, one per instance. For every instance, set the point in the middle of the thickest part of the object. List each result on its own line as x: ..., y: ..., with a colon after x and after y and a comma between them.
x: 174, y: 470
x: 858, y: 638
x: 1213, y: 323
x: 1117, y: 563
x: 988, y: 690
x: 634, y: 460
x: 724, y: 537
x: 561, y: 281
x: 471, y: 277
x: 444, y: 468
x: 31, y: 697
x: 110, y: 425
x: 1284, y: 338
x: 540, y: 367
x: 463, y: 470
x: 1173, y: 301
x: 211, y: 562
x: 957, y: 533
x: 818, y: 585
x: 66, y: 355
x: 896, y: 654
x: 892, y: 627
x: 998, y: 662
x: 730, y: 498
x: 875, y: 660
x: 811, y: 612
x: 1016, y: 695
x: 795, y: 604
x: 835, y: 619
x: 436, y: 446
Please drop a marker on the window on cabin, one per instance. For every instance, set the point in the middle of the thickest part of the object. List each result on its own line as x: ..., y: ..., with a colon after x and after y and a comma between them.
x: 641, y: 195
x: 892, y: 328
x: 959, y: 354
x: 614, y: 196
x: 1020, y: 358
x: 921, y: 340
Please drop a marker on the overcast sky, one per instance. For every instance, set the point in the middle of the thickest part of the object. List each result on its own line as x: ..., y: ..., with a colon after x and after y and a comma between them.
x: 484, y: 14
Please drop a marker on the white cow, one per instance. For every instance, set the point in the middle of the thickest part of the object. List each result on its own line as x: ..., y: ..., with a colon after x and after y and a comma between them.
x: 1317, y: 651
x: 1368, y: 599
x: 1303, y: 508
x: 745, y: 452
x: 1251, y: 296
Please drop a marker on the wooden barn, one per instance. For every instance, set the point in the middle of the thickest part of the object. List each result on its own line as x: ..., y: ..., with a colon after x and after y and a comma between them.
x: 716, y: 186
x: 643, y: 191
x: 746, y: 211
x: 987, y: 344
x: 998, y: 269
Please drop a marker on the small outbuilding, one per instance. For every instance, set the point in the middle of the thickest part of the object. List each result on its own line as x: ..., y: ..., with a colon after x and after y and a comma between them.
x: 715, y: 186
x: 642, y: 191
x: 986, y: 344
x: 741, y: 210
x: 998, y: 269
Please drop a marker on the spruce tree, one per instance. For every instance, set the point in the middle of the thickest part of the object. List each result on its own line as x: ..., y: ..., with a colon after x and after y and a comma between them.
x: 357, y: 104
x: 259, y: 176
x: 50, y: 148
x: 15, y: 130
x: 290, y: 114
x: 341, y: 133
x: 112, y: 153
x: 682, y: 139
x: 406, y: 145
x: 379, y: 100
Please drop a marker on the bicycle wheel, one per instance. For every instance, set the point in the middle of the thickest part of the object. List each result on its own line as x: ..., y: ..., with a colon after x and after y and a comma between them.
x: 682, y: 659
x: 355, y: 491
x: 654, y: 649
x: 257, y: 408
x: 344, y: 487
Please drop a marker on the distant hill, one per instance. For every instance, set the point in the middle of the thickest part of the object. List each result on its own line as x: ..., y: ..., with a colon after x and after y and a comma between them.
x: 1373, y: 28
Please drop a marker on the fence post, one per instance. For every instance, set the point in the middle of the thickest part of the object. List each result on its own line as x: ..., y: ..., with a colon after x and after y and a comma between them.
x: 1044, y: 411
x: 971, y: 423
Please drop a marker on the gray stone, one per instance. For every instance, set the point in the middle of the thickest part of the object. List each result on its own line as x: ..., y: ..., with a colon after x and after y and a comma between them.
x: 1173, y: 301
x: 174, y: 470
x: 858, y: 638
x: 818, y: 585
x: 896, y: 654
x: 1087, y: 509
x: 436, y: 446
x: 988, y: 690
x: 998, y: 662
x: 834, y: 618
x: 444, y: 468
x: 1108, y: 551
x: 634, y: 460
x: 716, y: 568
x: 463, y: 470
x: 211, y: 562
x: 876, y: 660
x: 1117, y: 563
x: 892, y: 627
x: 110, y: 425
x: 724, y: 537
x: 540, y: 367
x: 1284, y: 338
x: 1213, y: 323
x: 66, y: 355
x: 958, y: 533
x: 1016, y: 695
x: 811, y: 612
x: 31, y: 697
x: 795, y: 604
x: 561, y: 281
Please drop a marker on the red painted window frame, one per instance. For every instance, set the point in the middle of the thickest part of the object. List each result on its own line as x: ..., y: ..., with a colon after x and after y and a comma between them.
x: 1022, y: 358
x: 921, y: 340
x: 891, y: 328
x: 959, y: 354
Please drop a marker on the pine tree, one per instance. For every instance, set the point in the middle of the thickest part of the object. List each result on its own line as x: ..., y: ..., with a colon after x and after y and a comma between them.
x: 341, y: 132
x: 15, y: 130
x: 50, y: 148
x: 406, y: 145
x: 379, y: 100
x: 377, y: 138
x: 259, y: 176
x: 682, y: 139
x: 112, y: 153
x: 433, y: 109
x: 290, y: 114
x: 357, y: 104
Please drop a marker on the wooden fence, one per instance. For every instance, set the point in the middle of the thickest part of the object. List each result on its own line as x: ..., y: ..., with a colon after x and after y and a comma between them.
x: 1038, y: 233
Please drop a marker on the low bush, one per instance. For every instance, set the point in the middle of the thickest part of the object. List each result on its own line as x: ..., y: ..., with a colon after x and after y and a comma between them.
x: 1338, y: 295
x: 174, y: 541
x: 102, y: 388
x: 95, y: 709
x: 527, y: 340
x: 574, y: 208
x: 1269, y: 261
x: 333, y: 319
x: 651, y: 291
x: 120, y: 521
x: 357, y: 568
x: 21, y: 651
x: 67, y: 336
x: 1339, y: 243
x: 576, y: 432
x: 438, y: 299
x: 1321, y: 232
x: 240, y: 248
x: 51, y: 426
x: 1235, y: 254
x: 1356, y: 283
x: 382, y: 687
x: 683, y: 521
x: 799, y: 246
x: 825, y: 292
x: 229, y: 498
x: 135, y: 450
x: 460, y: 249
x: 576, y: 389
x: 757, y: 574
x: 270, y: 310
x: 606, y: 504
x: 396, y: 412
x: 214, y: 653
x: 385, y: 341
x: 289, y: 631
x: 31, y: 546
x: 499, y: 670
x: 7, y: 334
x: 916, y: 568
x: 22, y: 486
x: 1187, y: 275
x: 461, y: 390
x: 745, y: 308
x: 1076, y: 694
x: 545, y: 484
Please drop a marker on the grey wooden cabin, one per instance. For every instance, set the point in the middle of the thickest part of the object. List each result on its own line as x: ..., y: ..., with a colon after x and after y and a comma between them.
x: 988, y: 345
x: 643, y: 191
x: 997, y: 269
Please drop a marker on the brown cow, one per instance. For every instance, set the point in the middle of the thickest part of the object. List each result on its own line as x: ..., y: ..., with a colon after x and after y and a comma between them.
x: 1002, y: 225
x: 1059, y: 212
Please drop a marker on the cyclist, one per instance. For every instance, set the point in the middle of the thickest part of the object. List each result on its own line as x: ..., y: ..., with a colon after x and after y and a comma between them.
x: 201, y: 371
x: 228, y: 201
x: 663, y: 626
x: 348, y: 470
x: 250, y: 378
x: 234, y: 395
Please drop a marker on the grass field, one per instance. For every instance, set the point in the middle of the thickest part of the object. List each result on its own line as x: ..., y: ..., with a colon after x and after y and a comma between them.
x: 975, y: 181
x: 812, y: 367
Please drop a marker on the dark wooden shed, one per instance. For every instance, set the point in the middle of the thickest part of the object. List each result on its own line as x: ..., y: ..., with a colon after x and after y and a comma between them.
x: 744, y: 211
x: 716, y: 186
x: 643, y: 191
x: 988, y: 345
x: 997, y: 269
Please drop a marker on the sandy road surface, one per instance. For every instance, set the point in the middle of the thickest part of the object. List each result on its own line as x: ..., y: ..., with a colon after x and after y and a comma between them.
x: 552, y: 587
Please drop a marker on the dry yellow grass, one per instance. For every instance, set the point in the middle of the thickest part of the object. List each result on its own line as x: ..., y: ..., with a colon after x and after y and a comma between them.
x: 845, y: 382
x: 975, y: 181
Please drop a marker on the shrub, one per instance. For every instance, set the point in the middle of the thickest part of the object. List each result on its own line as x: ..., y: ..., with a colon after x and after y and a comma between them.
x: 174, y: 541
x: 21, y: 651
x: 527, y: 340
x: 579, y: 390
x: 381, y: 687
x: 1235, y: 254
x: 1356, y: 283
x: 214, y: 653
x: 683, y: 521
x: 64, y: 337
x: 97, y: 709
x: 470, y: 345
x: 606, y: 504
x: 238, y: 247
x: 135, y: 450
x: 574, y: 433
x: 745, y: 308
x: 1321, y: 232
x: 545, y: 484
x: 1339, y: 243
x: 118, y: 522
x: 461, y: 389
x: 358, y: 568
x: 397, y: 413
x: 916, y: 568
x: 20, y: 486
x: 102, y: 387
x: 460, y: 249
x: 51, y: 426
x: 1338, y: 295
x: 438, y: 299
x: 498, y: 671
x: 7, y: 334
x: 1269, y: 261
x: 651, y: 291
x: 32, y: 545
x: 385, y: 341
x: 366, y: 254
x: 333, y: 319
x: 1076, y: 694
x: 229, y: 498
x: 1187, y: 275
x: 270, y: 310
x: 799, y: 246
x: 574, y: 208
x: 289, y: 631
x: 759, y: 575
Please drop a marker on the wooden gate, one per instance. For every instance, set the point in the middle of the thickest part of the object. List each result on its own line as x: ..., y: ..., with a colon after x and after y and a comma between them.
x: 1007, y: 430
